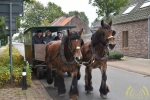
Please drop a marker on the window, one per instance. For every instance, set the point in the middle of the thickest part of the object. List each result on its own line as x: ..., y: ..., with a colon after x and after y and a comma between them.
x: 145, y: 4
x: 125, y: 39
x: 129, y: 9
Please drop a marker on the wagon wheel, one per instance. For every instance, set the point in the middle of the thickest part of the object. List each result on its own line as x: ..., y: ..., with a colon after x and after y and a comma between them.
x: 39, y: 72
x: 69, y: 74
x: 54, y: 73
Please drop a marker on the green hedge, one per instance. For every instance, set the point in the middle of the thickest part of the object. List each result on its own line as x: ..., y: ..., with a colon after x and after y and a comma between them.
x: 115, y: 55
x: 18, y: 64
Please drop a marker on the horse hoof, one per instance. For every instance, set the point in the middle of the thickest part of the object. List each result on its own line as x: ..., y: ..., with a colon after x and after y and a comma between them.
x: 90, y: 92
x: 74, y: 97
x: 49, y: 80
x: 103, y: 96
x: 62, y: 95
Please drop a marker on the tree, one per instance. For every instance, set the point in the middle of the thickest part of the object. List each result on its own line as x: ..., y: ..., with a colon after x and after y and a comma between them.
x: 106, y: 8
x: 33, y: 14
x: 45, y: 22
x: 3, y: 36
x: 28, y: 1
x: 19, y: 37
x: 2, y: 26
x: 81, y: 16
x: 52, y: 11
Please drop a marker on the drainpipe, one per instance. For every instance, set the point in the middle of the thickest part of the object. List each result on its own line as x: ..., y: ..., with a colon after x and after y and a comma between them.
x: 149, y: 37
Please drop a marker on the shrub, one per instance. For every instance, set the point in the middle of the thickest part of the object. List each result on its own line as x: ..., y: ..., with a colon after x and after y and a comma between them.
x: 115, y: 55
x: 18, y: 64
x: 4, y: 75
x: 17, y: 74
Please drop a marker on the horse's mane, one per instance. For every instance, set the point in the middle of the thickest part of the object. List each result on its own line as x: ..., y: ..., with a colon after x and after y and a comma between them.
x: 64, y: 45
x: 98, y: 36
x: 75, y: 36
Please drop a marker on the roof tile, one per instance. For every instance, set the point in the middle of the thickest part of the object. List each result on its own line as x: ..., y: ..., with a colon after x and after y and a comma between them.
x: 62, y: 21
x: 136, y: 14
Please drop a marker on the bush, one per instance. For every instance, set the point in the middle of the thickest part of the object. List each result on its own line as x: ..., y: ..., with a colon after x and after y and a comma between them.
x: 18, y: 64
x: 115, y: 55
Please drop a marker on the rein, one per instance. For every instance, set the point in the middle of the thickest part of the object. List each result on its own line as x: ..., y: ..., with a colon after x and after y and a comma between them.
x: 94, y: 57
x: 74, y: 61
x: 77, y: 48
x: 61, y: 52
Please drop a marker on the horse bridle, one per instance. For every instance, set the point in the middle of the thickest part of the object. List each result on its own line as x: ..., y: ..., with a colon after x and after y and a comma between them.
x: 106, y: 39
x: 73, y: 50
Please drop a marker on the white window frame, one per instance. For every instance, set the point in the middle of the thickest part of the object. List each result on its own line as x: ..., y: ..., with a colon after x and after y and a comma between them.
x: 129, y: 9
x: 145, y: 4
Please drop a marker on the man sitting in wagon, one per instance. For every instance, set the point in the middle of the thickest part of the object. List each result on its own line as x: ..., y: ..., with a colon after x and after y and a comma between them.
x: 58, y: 37
x: 38, y: 38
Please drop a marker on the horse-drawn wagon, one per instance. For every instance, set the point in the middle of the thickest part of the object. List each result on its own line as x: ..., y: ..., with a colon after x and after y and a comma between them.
x: 36, y: 57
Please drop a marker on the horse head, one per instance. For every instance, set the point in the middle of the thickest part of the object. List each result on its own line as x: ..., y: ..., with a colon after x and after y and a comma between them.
x: 104, y: 35
x: 75, y: 43
x: 108, y: 34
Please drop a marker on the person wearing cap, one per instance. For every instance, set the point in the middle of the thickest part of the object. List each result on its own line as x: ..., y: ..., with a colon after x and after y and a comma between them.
x: 38, y: 38
x: 48, y: 37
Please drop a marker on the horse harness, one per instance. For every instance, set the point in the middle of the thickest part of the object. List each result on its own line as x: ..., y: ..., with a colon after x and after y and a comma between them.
x: 61, y: 52
x: 94, y: 54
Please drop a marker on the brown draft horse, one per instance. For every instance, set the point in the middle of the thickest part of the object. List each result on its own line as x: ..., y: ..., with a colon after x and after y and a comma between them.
x: 65, y: 56
x: 93, y: 56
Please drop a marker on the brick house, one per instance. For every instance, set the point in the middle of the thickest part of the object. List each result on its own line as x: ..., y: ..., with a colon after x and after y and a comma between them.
x: 72, y: 21
x: 131, y: 25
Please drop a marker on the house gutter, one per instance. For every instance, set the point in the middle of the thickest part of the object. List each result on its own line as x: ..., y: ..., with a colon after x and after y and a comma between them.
x: 149, y: 37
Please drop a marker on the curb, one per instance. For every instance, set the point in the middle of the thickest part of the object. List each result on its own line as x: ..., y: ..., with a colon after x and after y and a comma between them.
x: 40, y: 89
x: 131, y: 70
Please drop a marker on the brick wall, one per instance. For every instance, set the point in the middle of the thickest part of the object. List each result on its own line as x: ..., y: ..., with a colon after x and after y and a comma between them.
x: 76, y: 21
x: 137, y: 38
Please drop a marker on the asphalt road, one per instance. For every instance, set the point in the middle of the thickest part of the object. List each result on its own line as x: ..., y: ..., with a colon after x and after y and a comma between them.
x: 123, y: 85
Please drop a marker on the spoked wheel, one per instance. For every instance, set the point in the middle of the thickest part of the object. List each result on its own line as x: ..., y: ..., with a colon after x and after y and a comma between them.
x: 69, y: 74
x: 39, y: 72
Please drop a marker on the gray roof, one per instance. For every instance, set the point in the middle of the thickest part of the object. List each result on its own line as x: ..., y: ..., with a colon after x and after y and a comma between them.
x: 134, y: 15
x: 96, y: 25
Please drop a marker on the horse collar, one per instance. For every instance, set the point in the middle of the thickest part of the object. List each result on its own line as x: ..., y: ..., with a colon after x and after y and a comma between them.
x: 62, y: 51
x: 94, y: 54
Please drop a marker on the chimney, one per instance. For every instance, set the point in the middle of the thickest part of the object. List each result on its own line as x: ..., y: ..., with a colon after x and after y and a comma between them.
x: 76, y: 14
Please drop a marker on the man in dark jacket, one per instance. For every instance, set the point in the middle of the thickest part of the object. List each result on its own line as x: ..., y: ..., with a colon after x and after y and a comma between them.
x: 38, y: 38
x: 58, y: 37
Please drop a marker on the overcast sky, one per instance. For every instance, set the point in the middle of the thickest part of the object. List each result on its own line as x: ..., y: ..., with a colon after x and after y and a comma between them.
x: 72, y: 5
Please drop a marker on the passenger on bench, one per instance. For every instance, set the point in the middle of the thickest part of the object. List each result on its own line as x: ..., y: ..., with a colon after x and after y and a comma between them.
x: 38, y: 38
x: 58, y: 37
x: 48, y: 37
